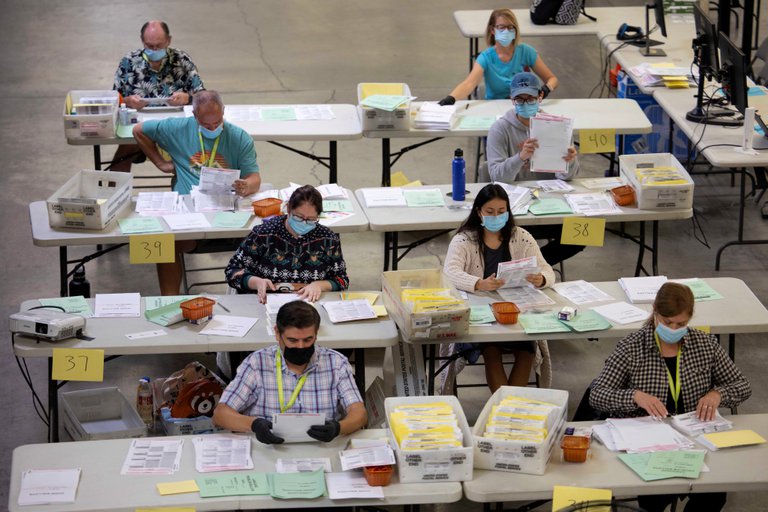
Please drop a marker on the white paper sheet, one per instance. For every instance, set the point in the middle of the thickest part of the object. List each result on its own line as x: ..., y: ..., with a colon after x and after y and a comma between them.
x: 203, y: 202
x: 347, y: 486
x: 554, y: 138
x: 349, y: 310
x: 285, y: 193
x: 303, y: 465
x: 382, y: 197
x: 314, y: 112
x: 642, y: 290
x: 228, y: 325
x: 525, y: 297
x: 222, y: 452
x: 332, y: 191
x: 44, y: 486
x: 621, y: 313
x: 186, y: 221
x: 146, y: 334
x: 598, y: 203
x: 293, y: 426
x: 554, y: 186
x: 514, y: 272
x: 581, y: 292
x: 214, y: 180
x: 361, y: 457
x: 156, y: 202
x: 120, y: 305
x: 153, y: 457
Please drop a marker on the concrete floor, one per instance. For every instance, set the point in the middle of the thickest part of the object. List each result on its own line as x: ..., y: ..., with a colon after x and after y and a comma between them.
x: 303, y: 52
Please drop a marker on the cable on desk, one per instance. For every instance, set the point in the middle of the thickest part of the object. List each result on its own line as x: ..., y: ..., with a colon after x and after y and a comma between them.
x: 606, y: 65
x: 37, y: 404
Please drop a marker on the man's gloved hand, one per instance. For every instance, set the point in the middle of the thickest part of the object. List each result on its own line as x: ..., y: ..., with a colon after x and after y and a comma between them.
x: 325, y: 433
x: 545, y: 90
x: 262, y: 427
x: 448, y: 100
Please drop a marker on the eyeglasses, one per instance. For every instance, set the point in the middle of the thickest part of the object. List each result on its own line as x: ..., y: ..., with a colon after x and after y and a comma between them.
x: 304, y: 220
x: 529, y: 101
x: 504, y: 27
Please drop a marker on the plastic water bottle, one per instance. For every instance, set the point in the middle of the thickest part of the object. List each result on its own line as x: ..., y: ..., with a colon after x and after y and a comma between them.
x: 123, y: 115
x: 144, y: 403
x: 459, y: 175
x: 79, y: 285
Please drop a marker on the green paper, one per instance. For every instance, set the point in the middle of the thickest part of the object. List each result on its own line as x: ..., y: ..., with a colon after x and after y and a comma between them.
x: 164, y: 311
x: 337, y: 205
x: 587, y: 320
x: 549, y: 206
x: 701, y: 290
x: 306, y: 485
x: 475, y: 123
x: 278, y: 114
x: 682, y: 463
x: 231, y: 219
x: 76, y: 305
x: 482, y: 314
x: 133, y: 225
x: 535, y: 323
x: 637, y: 462
x: 248, y: 484
x: 420, y: 198
x: 125, y: 131
x: 384, y: 101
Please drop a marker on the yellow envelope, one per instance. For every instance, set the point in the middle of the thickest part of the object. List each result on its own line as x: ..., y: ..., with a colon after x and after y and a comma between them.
x: 185, y: 486
x: 733, y: 438
x: 398, y: 179
x: 380, y: 310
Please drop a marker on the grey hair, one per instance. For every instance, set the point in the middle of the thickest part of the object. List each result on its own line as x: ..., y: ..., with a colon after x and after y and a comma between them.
x: 205, y: 97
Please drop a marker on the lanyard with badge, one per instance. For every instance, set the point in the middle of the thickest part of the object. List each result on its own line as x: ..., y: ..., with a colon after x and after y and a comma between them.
x: 299, y: 385
x: 211, y: 160
x: 674, y: 384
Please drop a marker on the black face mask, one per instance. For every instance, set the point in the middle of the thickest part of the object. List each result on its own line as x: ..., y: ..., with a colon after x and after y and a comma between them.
x: 298, y: 356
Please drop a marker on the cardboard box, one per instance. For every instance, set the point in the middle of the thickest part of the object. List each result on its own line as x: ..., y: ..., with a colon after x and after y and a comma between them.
x: 102, y: 413
x: 657, y: 197
x: 416, y: 327
x: 404, y: 371
x: 374, y: 404
x: 90, y: 200
x: 79, y: 125
x: 377, y: 119
x: 450, y: 465
x: 519, y: 456
x: 187, y: 426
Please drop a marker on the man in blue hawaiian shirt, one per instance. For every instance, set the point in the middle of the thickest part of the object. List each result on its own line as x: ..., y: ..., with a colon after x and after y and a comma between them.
x: 154, y: 71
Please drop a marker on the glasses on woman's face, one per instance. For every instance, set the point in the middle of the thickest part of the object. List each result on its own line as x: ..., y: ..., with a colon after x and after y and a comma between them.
x: 504, y: 27
x: 526, y: 101
x: 305, y: 220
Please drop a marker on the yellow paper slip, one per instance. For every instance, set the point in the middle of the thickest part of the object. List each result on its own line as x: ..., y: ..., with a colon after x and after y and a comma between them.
x: 370, y: 297
x: 732, y: 438
x: 564, y: 496
x: 177, y: 487
x: 386, y: 89
x: 380, y: 310
x: 398, y: 179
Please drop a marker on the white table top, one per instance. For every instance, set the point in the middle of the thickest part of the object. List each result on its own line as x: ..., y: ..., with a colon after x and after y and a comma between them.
x: 102, y: 488
x: 622, y: 115
x: 43, y: 235
x: 345, y: 126
x: 731, y: 470
x: 421, y: 219
x: 739, y: 311
x: 676, y: 103
x: 183, y: 338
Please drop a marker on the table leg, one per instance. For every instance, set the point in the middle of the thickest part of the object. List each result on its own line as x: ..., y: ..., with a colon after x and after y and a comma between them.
x: 740, y: 239
x: 655, y: 248
x: 387, y: 241
x: 360, y: 370
x: 97, y: 157
x: 63, y: 271
x: 732, y: 346
x: 394, y: 242
x: 640, y: 249
x: 385, y: 162
x: 431, y: 355
x: 332, y: 162
x: 53, y: 405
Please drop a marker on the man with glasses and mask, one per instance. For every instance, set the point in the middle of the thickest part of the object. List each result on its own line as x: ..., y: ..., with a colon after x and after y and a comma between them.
x: 293, y: 376
x: 154, y: 71
x: 205, y: 140
x: 509, y: 151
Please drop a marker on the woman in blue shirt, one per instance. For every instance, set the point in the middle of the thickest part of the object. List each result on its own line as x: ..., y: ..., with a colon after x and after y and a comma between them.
x: 504, y: 57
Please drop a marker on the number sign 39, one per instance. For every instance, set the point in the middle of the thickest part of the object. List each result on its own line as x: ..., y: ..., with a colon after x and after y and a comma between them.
x: 156, y: 248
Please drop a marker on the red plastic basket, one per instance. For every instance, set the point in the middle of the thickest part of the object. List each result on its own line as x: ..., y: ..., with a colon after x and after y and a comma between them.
x: 197, y: 308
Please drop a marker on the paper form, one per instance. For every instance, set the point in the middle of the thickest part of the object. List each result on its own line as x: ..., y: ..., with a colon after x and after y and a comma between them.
x: 581, y: 292
x: 146, y: 334
x: 76, y: 305
x: 525, y: 297
x: 475, y: 123
x: 332, y: 191
x: 222, y: 452
x: 293, y: 427
x: 384, y: 101
x: 278, y: 114
x: 422, y: 198
x: 186, y: 221
x: 592, y: 204
x: 621, y: 313
x: 228, y: 325
x: 361, y: 457
x: 602, y: 183
x: 156, y: 201
x: 231, y: 219
x: 299, y: 465
x: 701, y: 290
x: 348, y: 310
x: 482, y: 314
x: 513, y: 273
x: 133, y: 225
x: 214, y: 180
x: 549, y: 206
x: 336, y: 205
x: 248, y: 484
x: 554, y: 186
x: 371, y: 297
x: 153, y: 457
x: 110, y: 305
x: 536, y: 323
x: 307, y: 485
x: 346, y: 486
x: 683, y: 463
x: 382, y: 197
x: 235, y: 113
x: 287, y: 192
x: 44, y: 486
x: 586, y: 321
x: 554, y: 137
x: 314, y: 112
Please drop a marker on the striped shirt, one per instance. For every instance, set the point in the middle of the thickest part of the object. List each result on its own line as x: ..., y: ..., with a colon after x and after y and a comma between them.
x: 637, y: 364
x: 329, y: 389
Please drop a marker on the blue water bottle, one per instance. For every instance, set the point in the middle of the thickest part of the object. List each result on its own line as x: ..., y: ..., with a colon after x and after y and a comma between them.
x: 459, y: 175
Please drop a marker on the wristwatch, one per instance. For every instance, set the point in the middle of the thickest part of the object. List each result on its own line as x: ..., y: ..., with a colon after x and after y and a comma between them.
x: 545, y: 90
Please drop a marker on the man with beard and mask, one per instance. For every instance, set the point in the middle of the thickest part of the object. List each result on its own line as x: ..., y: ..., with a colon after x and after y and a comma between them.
x: 205, y: 140
x: 509, y: 150
x: 154, y: 71
x: 293, y: 376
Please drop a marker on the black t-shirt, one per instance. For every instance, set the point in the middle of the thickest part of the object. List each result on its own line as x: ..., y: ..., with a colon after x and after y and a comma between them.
x: 672, y: 368
x: 492, y: 258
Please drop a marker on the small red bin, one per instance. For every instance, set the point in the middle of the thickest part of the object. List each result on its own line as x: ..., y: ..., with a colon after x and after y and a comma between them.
x: 505, y: 312
x: 267, y: 207
x: 378, y: 476
x: 575, y: 448
x: 197, y: 308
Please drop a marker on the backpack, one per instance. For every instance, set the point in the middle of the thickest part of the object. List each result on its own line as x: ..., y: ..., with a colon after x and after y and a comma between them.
x: 561, y: 12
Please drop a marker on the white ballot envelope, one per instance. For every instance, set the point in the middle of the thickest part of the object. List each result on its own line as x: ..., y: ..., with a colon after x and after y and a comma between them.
x: 293, y: 426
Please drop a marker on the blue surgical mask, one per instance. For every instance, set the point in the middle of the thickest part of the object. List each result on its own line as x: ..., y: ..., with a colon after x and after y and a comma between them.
x: 504, y: 37
x: 211, y: 134
x: 155, y: 55
x: 527, y: 111
x: 669, y: 335
x: 494, y: 223
x: 301, y: 227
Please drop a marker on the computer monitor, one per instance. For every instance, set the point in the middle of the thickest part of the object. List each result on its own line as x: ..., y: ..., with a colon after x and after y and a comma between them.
x: 705, y: 44
x: 646, y: 42
x: 733, y: 73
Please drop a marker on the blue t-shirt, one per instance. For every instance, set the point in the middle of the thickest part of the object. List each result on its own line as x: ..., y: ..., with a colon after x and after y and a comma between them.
x: 498, y: 75
x: 179, y: 137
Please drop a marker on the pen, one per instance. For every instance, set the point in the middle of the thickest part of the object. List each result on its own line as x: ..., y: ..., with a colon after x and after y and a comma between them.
x: 222, y: 306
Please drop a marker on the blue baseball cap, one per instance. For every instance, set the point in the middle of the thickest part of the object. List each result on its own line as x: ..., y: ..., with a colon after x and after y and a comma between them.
x: 524, y: 83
